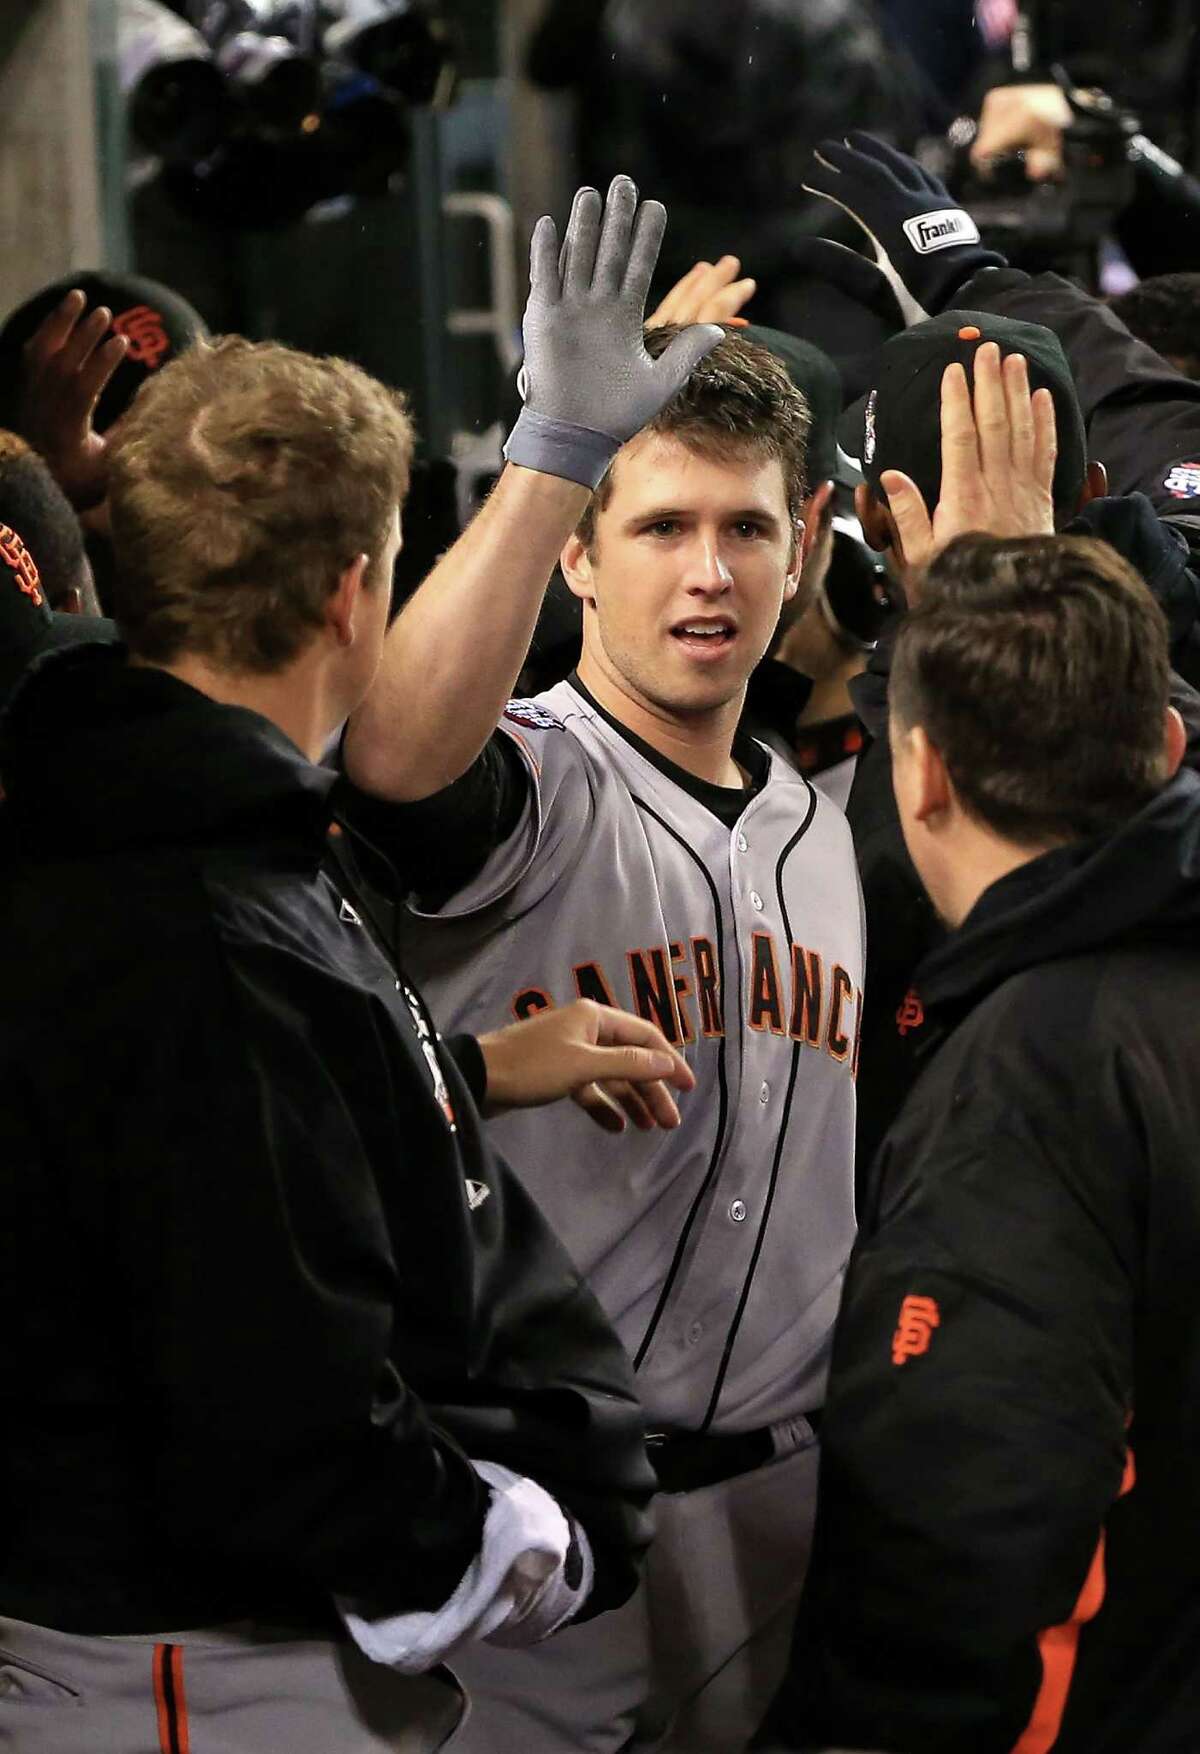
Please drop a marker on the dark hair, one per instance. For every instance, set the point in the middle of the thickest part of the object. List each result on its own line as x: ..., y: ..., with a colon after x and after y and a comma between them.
x: 738, y: 399
x: 242, y: 481
x: 1039, y: 669
x: 1164, y: 312
x: 34, y: 505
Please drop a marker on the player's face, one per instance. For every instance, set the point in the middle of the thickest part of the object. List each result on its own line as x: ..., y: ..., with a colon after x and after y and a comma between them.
x: 692, y: 562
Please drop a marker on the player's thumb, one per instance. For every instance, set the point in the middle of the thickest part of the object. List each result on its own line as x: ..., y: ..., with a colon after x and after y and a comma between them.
x: 675, y: 366
x: 913, y: 526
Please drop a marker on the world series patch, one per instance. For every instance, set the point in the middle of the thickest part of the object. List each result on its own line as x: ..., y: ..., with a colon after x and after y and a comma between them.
x: 531, y: 713
x: 1183, y: 480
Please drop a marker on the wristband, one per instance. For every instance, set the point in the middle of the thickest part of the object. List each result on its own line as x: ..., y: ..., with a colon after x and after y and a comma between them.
x: 558, y: 447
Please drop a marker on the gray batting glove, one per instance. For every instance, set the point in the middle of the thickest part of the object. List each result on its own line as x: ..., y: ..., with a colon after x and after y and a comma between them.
x: 588, y: 382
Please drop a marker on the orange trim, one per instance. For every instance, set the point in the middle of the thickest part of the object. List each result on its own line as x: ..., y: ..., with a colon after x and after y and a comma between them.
x: 160, y: 1699
x: 182, y: 1738
x: 1059, y: 1646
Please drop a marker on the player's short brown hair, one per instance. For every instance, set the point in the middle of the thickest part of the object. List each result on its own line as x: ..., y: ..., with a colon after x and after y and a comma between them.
x: 1039, y: 669
x: 244, y: 479
x: 738, y: 399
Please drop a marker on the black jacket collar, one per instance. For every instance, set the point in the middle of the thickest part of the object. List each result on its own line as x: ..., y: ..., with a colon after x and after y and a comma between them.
x: 97, y: 755
x: 1140, y: 883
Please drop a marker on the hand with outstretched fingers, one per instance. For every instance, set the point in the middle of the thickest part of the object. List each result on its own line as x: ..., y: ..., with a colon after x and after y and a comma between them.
x: 587, y: 381
x: 924, y: 242
x: 66, y: 366
x: 998, y: 458
x: 710, y: 292
x: 610, y: 1062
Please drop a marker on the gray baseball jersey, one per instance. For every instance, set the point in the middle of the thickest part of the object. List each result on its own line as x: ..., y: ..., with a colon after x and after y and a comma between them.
x: 717, y: 1249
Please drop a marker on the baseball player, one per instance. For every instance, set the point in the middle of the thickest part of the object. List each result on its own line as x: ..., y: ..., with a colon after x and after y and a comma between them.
x: 616, y: 839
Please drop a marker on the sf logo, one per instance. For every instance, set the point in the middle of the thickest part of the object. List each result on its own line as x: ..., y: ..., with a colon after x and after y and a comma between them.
x: 919, y: 1316
x: 144, y: 330
x: 14, y: 554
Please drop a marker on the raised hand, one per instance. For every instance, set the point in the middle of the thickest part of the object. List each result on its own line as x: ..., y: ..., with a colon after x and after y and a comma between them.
x: 710, y: 292
x: 605, y: 1060
x: 66, y: 366
x: 998, y: 456
x: 588, y: 382
x: 925, y: 244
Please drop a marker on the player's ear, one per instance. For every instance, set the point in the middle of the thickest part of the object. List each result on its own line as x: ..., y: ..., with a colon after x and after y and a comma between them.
x: 576, y: 565
x: 341, y: 606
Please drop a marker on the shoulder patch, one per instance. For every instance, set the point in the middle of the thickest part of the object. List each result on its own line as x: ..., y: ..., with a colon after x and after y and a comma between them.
x: 533, y: 714
x: 1183, y: 480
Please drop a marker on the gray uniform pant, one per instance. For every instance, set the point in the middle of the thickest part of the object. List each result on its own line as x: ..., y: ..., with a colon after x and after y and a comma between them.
x: 232, y: 1690
x: 691, y: 1663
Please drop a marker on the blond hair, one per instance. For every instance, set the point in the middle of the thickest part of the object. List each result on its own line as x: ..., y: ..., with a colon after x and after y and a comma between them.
x: 243, y: 481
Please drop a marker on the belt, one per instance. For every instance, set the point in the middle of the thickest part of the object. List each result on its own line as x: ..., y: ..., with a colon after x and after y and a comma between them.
x: 687, y: 1460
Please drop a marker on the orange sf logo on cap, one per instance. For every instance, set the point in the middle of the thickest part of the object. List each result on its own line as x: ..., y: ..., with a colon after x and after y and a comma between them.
x: 146, y: 333
x: 14, y: 554
x: 970, y: 333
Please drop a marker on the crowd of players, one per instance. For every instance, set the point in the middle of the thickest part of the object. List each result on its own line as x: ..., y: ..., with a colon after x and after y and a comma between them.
x: 807, y: 1174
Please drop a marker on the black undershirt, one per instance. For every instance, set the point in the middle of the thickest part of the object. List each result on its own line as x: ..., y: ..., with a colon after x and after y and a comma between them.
x: 725, y: 802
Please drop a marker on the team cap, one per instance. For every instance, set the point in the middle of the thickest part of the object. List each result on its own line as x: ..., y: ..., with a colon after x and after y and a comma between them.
x: 897, y: 425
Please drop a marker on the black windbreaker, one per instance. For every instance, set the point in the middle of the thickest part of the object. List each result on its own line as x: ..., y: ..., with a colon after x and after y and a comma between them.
x: 263, y: 1285
x: 1008, y: 1537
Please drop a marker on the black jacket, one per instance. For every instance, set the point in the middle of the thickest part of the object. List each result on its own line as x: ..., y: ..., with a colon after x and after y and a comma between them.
x: 1020, y: 1316
x: 263, y: 1284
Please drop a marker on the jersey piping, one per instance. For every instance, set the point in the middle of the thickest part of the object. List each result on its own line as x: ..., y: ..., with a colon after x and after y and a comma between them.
x: 722, y: 1101
x: 768, y: 1203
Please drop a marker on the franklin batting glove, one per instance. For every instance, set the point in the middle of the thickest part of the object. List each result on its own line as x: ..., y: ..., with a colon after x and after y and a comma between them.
x: 587, y: 381
x: 926, y: 245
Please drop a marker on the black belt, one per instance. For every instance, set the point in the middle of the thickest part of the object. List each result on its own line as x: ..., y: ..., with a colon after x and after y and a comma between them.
x: 687, y: 1460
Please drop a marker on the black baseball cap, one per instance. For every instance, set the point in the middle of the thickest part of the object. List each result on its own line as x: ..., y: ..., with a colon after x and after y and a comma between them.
x: 819, y: 382
x: 28, y: 625
x: 897, y: 424
x: 156, y: 322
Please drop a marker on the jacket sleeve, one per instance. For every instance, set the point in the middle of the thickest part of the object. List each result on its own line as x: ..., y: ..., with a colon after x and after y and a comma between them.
x: 1142, y: 416
x: 256, y: 1246
x: 973, y: 1440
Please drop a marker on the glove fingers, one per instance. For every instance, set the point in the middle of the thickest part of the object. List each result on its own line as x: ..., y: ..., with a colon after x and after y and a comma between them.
x: 648, y: 229
x: 612, y: 253
x: 907, y: 172
x: 543, y: 261
x: 676, y: 365
x: 579, y: 248
x: 844, y: 159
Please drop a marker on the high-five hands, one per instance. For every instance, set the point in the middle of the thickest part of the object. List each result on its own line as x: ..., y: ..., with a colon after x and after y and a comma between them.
x: 588, y: 382
x: 66, y: 367
x: 610, y: 1062
x: 710, y: 292
x: 998, y: 458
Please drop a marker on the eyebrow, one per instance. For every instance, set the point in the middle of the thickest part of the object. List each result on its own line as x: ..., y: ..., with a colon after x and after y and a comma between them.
x: 759, y: 515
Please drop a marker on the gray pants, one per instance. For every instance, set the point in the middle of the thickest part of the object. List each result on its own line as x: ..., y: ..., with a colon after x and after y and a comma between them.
x: 232, y: 1690
x: 692, y: 1662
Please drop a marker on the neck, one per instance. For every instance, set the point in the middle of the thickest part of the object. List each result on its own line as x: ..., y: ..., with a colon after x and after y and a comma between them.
x: 983, y: 860
x: 830, y: 698
x: 701, y: 744
x: 292, y: 699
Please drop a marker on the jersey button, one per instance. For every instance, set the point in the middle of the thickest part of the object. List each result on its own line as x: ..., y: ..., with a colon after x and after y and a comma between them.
x: 764, y: 1094
x: 756, y: 901
x: 737, y: 1211
x: 743, y: 845
x: 694, y: 1333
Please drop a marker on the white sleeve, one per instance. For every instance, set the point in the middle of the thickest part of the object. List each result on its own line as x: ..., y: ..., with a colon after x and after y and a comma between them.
x: 514, y: 1592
